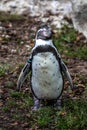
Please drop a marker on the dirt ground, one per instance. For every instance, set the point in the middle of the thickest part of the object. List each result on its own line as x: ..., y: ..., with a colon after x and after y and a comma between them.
x: 16, y: 41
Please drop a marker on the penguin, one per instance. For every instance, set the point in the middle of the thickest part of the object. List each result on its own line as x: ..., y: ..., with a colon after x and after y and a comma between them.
x: 47, y: 70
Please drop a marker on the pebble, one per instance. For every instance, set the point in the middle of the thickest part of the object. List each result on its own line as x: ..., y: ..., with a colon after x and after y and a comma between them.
x: 13, y: 51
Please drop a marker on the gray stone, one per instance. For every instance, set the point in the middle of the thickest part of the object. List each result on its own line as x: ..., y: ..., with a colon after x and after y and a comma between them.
x: 79, y: 16
x: 51, y: 10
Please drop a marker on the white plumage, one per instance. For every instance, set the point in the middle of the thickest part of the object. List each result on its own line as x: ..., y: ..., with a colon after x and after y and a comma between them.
x: 47, y: 82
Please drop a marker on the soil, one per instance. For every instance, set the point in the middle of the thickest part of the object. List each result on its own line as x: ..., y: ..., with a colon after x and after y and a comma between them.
x: 16, y: 41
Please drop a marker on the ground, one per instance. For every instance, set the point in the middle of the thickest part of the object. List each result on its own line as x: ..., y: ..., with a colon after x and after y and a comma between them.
x: 16, y: 40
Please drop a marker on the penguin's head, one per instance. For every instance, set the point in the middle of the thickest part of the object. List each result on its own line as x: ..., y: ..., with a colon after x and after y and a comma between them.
x: 44, y: 33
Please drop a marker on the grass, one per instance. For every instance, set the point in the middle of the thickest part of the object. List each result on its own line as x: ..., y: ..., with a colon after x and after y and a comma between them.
x: 65, y: 41
x: 4, y: 69
x: 75, y: 117
x: 16, y: 94
x: 6, y: 39
x: 27, y: 100
x: 10, y: 17
x: 9, y: 84
x: 2, y: 129
x: 68, y: 34
x: 11, y: 104
x: 73, y: 114
x: 44, y: 117
x: 81, y: 52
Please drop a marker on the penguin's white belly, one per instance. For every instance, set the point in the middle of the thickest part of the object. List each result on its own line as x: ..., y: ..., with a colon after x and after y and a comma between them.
x: 47, y: 81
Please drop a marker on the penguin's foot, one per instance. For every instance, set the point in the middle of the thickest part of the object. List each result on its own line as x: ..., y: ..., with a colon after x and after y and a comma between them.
x: 58, y: 104
x: 18, y: 89
x: 36, y: 105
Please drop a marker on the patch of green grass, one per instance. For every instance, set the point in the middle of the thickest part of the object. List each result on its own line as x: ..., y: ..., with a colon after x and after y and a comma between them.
x: 16, y: 115
x: 6, y: 108
x: 6, y: 39
x: 83, y: 79
x: 10, y: 104
x: 28, y: 101
x: 73, y: 114
x: 75, y: 117
x: 4, y: 69
x: 41, y: 117
x: 19, y: 41
x: 10, y: 17
x: 68, y: 34
x: 21, y: 65
x: 65, y: 44
x: 2, y: 129
x: 16, y: 94
x: 44, y: 117
x: 9, y: 84
x: 81, y: 52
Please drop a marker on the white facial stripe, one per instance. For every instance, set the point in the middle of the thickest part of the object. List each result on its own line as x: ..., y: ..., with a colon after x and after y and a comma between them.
x: 42, y: 29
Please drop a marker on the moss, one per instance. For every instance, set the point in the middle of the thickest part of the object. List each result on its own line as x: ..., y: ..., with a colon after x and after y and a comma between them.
x: 44, y: 117
x: 65, y: 43
x: 16, y: 94
x: 9, y: 84
x: 10, y: 17
x: 75, y: 118
x: 69, y: 34
x: 4, y: 69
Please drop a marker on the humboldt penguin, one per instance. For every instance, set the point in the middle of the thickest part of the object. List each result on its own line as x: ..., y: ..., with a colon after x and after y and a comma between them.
x: 47, y: 70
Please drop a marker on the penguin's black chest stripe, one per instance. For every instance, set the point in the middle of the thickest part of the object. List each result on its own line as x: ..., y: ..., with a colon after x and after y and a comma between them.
x: 45, y: 48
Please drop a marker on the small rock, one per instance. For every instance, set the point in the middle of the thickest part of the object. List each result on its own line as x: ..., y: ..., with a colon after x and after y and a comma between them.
x: 13, y: 51
x: 28, y: 47
x: 22, y: 42
x: 1, y: 28
x: 10, y: 25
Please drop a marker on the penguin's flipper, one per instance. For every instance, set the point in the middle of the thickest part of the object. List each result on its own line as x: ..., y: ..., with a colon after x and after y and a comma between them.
x: 23, y: 75
x: 67, y: 74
